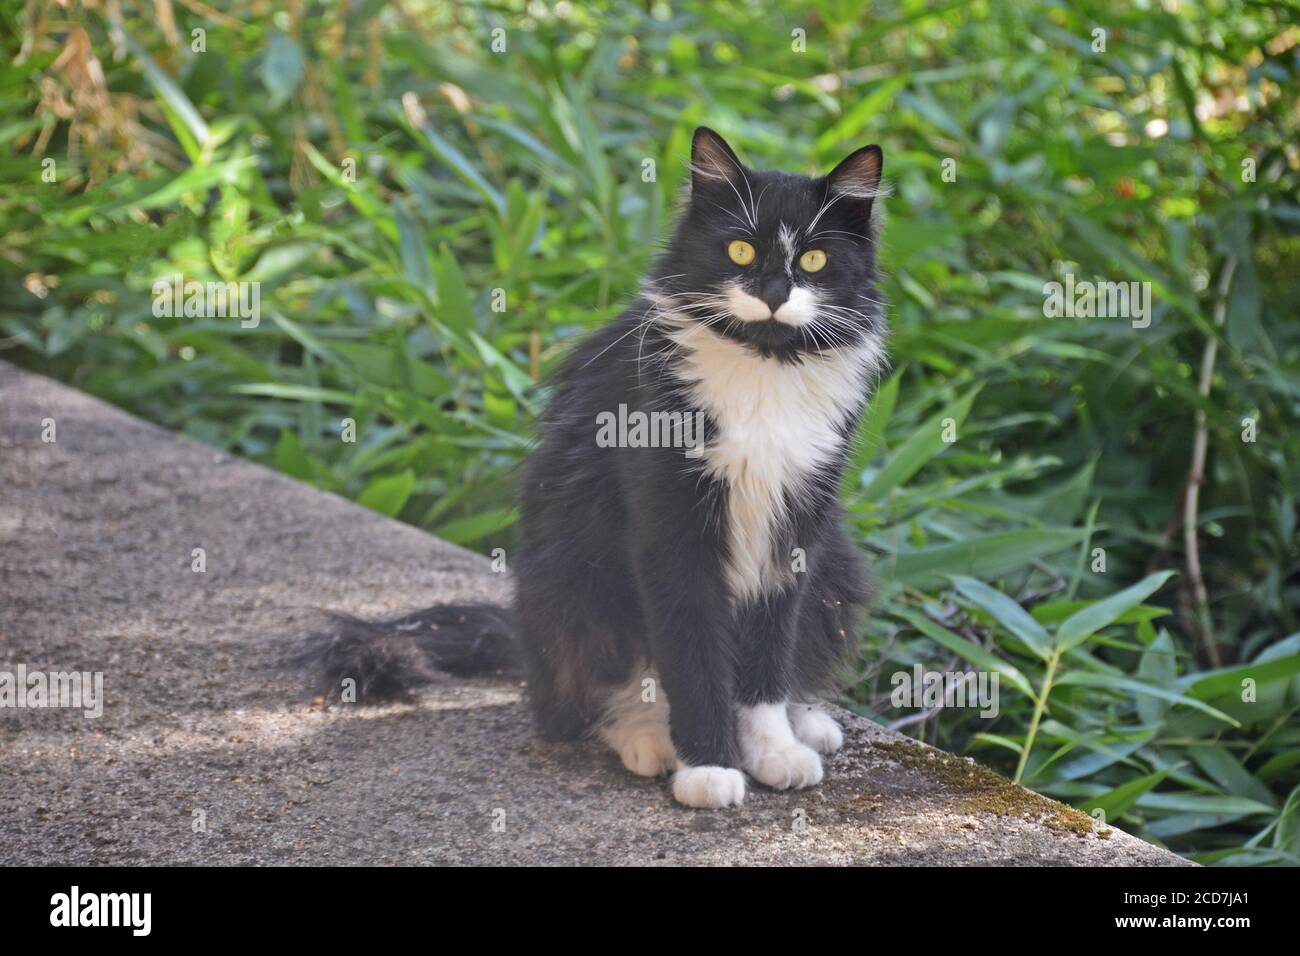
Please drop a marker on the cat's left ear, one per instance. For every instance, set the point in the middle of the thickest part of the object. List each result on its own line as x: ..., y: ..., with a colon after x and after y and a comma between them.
x: 857, y: 178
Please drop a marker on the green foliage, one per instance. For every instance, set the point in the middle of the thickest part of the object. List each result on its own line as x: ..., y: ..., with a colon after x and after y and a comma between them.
x: 432, y: 222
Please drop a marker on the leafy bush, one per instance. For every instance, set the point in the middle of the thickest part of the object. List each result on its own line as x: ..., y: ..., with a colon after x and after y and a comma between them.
x: 432, y: 221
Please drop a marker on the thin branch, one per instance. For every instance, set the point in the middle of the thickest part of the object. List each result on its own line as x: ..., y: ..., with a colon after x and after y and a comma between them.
x: 1196, y: 474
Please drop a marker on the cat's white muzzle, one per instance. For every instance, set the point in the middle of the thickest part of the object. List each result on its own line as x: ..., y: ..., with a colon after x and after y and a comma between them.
x: 798, y: 309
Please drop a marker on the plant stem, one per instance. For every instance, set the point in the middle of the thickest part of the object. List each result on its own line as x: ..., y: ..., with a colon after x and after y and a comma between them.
x: 1196, y: 474
x: 1040, y: 705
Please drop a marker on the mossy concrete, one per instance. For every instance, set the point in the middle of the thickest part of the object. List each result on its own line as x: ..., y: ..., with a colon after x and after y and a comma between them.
x: 208, y: 753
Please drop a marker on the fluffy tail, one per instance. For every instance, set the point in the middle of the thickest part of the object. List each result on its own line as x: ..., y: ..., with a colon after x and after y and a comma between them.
x: 388, y: 659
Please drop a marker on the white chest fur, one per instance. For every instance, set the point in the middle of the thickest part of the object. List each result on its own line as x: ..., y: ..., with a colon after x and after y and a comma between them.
x: 777, y: 423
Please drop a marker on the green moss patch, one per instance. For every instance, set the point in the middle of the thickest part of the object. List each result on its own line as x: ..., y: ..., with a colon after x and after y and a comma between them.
x: 980, y: 790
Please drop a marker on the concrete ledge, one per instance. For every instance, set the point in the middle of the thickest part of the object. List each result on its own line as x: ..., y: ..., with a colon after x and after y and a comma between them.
x: 96, y: 535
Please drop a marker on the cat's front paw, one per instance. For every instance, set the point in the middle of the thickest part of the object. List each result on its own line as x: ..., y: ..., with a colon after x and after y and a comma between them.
x: 708, y: 788
x: 786, y: 766
x: 769, y: 751
x: 816, y: 728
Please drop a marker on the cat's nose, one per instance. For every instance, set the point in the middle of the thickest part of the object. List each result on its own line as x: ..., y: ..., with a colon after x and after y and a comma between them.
x: 774, y: 292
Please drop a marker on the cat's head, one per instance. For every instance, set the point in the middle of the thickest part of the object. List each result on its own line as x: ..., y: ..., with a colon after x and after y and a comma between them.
x: 782, y: 263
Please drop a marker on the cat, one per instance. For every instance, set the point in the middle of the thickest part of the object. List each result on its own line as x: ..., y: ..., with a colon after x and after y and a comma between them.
x: 688, y: 601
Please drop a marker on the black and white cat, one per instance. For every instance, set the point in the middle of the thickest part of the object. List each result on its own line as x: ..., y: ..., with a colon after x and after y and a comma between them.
x: 688, y: 604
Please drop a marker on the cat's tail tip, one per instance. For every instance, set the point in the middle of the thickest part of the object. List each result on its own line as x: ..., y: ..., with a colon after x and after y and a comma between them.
x: 386, y: 660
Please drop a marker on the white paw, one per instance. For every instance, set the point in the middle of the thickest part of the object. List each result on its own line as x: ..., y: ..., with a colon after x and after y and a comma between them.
x: 782, y: 767
x: 816, y: 728
x: 708, y: 788
x: 648, y: 752
x: 769, y: 751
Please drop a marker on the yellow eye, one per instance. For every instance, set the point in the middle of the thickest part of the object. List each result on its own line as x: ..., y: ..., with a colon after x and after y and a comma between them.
x: 741, y: 252
x: 814, y: 260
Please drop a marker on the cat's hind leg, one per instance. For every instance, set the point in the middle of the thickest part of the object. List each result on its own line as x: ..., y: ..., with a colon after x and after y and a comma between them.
x: 635, y: 725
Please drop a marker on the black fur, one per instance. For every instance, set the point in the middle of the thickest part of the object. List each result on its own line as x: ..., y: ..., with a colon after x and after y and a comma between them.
x: 390, y: 658
x: 622, y: 560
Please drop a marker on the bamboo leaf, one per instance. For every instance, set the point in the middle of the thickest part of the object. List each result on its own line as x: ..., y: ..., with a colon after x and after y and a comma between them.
x: 1081, y: 625
x: 968, y: 650
x: 1007, y: 613
x: 387, y: 494
x: 1116, y: 802
x: 990, y: 554
x: 920, y: 447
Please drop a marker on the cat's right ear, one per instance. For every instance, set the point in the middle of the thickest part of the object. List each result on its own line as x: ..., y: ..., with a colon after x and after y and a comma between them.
x: 712, y: 160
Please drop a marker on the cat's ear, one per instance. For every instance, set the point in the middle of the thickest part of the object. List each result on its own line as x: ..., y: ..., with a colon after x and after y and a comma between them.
x: 858, y: 175
x: 712, y: 160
